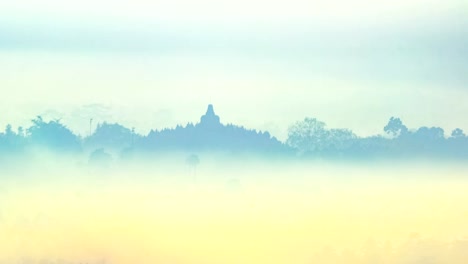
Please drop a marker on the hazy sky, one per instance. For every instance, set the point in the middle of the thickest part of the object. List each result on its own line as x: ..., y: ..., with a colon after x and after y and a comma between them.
x: 263, y: 64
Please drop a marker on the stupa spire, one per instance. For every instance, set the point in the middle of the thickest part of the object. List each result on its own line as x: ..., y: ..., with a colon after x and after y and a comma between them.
x: 210, y: 118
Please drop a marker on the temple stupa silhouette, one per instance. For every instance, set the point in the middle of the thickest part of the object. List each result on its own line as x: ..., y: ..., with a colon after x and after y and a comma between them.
x: 209, y: 119
x: 210, y: 134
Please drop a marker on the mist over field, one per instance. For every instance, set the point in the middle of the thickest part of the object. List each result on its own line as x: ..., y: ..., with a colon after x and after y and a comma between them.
x: 163, y: 210
x: 233, y: 132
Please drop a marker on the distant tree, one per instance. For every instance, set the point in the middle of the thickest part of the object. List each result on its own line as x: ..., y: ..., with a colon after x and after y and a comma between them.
x: 21, y: 131
x: 309, y: 135
x: 457, y: 144
x: 111, y: 136
x: 9, y: 135
x: 9, y: 131
x: 458, y: 133
x: 429, y: 133
x: 11, y: 142
x: 424, y: 142
x: 53, y: 135
x: 341, y: 139
x: 395, y: 127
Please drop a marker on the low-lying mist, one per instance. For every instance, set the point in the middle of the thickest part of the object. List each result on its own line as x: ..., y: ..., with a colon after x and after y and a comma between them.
x: 173, y: 210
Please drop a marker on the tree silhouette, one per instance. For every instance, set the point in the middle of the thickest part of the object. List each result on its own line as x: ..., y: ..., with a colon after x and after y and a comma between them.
x: 192, y: 161
x: 111, y: 136
x: 9, y: 131
x: 341, y: 139
x: 395, y: 127
x: 429, y: 133
x: 311, y: 137
x: 11, y: 142
x: 307, y: 136
x: 53, y: 135
x: 458, y: 133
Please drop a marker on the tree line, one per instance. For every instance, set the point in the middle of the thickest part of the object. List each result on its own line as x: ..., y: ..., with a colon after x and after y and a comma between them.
x: 308, y: 138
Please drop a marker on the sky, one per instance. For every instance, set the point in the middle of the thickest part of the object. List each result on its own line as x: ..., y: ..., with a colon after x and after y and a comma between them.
x: 263, y: 64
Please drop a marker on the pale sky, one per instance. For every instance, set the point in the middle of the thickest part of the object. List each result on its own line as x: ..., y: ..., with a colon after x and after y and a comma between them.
x: 263, y: 64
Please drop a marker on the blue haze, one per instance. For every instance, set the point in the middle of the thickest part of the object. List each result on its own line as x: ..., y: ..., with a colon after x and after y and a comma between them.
x: 307, y: 139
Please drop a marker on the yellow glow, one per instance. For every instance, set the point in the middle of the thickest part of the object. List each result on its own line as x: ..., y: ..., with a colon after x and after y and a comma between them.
x: 324, y: 221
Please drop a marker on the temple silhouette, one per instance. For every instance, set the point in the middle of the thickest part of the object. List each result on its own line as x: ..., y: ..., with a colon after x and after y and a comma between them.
x: 211, y: 134
x: 210, y: 119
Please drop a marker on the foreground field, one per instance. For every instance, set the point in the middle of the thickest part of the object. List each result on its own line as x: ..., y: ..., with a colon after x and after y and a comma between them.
x: 287, y: 214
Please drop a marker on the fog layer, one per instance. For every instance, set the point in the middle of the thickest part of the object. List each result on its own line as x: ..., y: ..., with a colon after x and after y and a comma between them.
x: 166, y: 211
